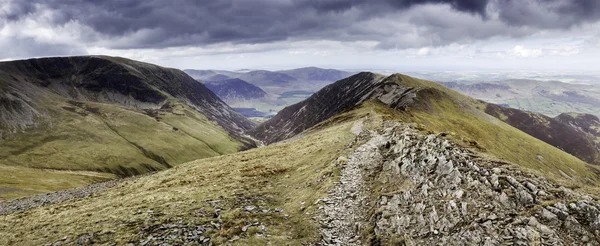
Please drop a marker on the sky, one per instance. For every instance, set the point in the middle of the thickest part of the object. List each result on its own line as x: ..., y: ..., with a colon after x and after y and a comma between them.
x: 400, y: 35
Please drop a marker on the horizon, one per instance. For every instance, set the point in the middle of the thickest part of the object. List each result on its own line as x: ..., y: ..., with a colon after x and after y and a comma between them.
x: 424, y: 35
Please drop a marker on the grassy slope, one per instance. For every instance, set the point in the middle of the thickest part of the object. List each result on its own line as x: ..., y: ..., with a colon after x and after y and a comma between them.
x: 289, y: 175
x: 18, y: 182
x: 444, y: 110
x: 105, y: 138
x: 102, y: 138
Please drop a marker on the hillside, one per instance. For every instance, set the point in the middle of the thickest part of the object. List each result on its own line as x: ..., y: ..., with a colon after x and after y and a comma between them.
x: 235, y: 90
x: 66, y: 122
x: 586, y: 123
x: 329, y: 101
x: 359, y: 178
x: 573, y: 134
x: 432, y: 105
x: 394, y: 161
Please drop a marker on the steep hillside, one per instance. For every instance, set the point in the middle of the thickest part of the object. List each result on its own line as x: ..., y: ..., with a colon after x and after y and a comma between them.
x: 424, y: 102
x: 329, y: 101
x: 362, y: 177
x: 235, y: 90
x: 563, y: 132
x: 587, y: 123
x: 105, y: 115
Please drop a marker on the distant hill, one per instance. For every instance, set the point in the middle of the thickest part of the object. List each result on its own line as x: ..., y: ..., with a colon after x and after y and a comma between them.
x: 235, y: 90
x: 547, y: 97
x: 264, y: 78
x: 316, y: 74
x: 206, y: 74
x: 91, y: 117
x: 200, y: 74
x: 217, y: 77
x: 283, y: 88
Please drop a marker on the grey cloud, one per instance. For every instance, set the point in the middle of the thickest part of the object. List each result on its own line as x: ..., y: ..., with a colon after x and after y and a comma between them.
x: 548, y: 14
x: 158, y: 23
x: 27, y: 47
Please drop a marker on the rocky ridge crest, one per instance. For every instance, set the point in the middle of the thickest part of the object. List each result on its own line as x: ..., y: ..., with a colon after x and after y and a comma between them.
x: 406, y: 187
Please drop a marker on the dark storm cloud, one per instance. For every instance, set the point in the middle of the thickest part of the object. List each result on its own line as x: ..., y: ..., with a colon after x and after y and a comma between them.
x: 473, y: 6
x: 163, y: 23
x: 548, y: 14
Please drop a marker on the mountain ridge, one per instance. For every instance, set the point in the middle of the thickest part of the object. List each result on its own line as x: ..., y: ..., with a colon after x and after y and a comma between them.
x: 105, y: 116
x: 360, y: 167
x: 437, y: 108
x: 369, y: 160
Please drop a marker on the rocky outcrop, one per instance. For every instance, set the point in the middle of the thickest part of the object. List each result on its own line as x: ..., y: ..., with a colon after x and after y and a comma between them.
x: 403, y: 187
x: 17, y: 111
x: 331, y: 100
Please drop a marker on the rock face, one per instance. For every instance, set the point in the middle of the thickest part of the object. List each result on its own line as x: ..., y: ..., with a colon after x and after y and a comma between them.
x: 235, y: 90
x: 331, y: 100
x: 17, y: 110
x: 425, y: 190
x: 107, y: 80
x: 575, y: 135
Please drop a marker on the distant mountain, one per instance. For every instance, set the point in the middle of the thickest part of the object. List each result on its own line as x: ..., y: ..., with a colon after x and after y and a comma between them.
x: 316, y: 74
x: 206, y: 74
x: 264, y: 78
x: 235, y: 90
x: 283, y: 87
x: 217, y: 77
x: 106, y: 115
x: 547, y: 97
x: 200, y: 74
